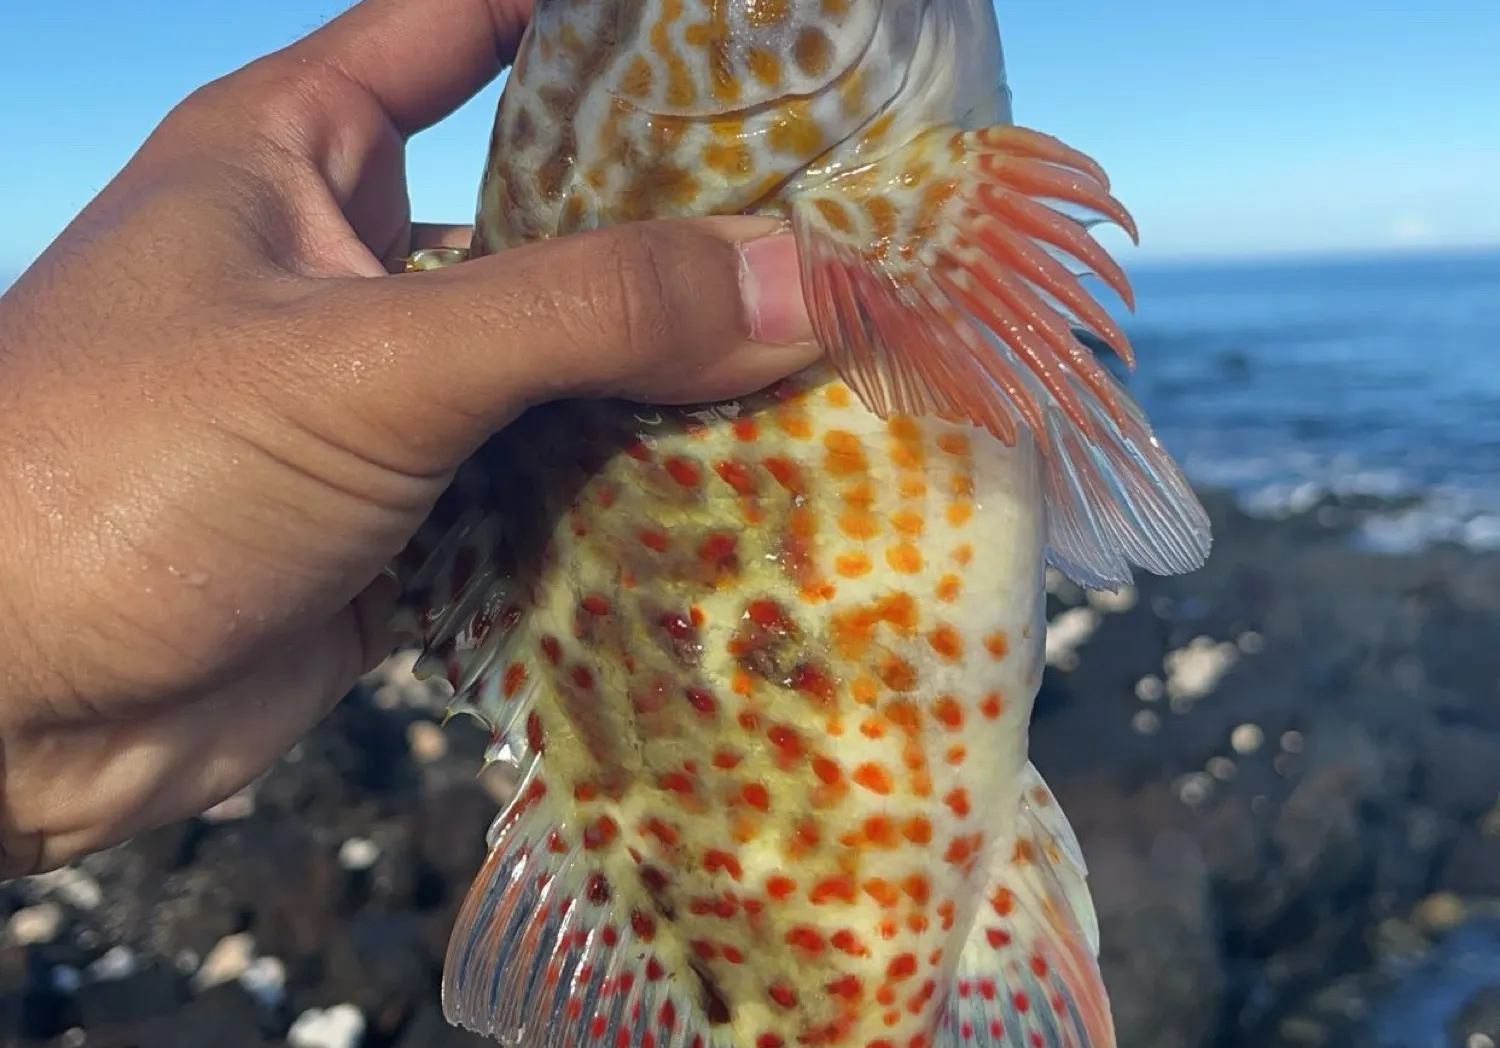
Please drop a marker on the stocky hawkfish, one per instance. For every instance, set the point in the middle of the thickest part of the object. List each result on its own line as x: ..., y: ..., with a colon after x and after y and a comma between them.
x: 767, y: 667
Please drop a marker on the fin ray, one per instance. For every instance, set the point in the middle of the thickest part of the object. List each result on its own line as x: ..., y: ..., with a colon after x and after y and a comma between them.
x: 937, y: 285
x: 1029, y: 976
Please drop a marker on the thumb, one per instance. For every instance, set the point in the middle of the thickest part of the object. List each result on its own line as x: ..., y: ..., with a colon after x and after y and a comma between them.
x: 672, y: 311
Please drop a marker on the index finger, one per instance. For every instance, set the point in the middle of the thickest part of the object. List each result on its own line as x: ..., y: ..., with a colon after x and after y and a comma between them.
x: 421, y: 59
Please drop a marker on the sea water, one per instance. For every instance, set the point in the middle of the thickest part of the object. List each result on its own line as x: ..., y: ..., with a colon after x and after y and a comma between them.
x: 1287, y: 381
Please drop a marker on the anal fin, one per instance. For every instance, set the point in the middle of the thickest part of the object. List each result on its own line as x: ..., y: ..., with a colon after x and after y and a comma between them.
x: 939, y: 284
x: 1029, y: 974
x: 546, y: 951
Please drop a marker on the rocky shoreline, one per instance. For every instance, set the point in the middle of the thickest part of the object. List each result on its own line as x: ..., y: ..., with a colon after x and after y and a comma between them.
x: 1284, y: 770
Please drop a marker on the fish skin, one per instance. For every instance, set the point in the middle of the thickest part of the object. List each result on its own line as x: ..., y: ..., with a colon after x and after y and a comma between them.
x: 767, y: 667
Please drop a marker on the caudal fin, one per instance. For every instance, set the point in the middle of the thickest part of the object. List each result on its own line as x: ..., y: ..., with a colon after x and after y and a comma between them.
x: 938, y: 285
x: 1029, y: 976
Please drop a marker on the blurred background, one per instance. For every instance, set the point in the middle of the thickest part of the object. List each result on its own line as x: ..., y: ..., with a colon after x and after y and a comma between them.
x: 1285, y: 768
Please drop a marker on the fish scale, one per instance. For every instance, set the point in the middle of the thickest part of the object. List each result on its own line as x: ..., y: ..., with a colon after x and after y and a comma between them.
x: 766, y: 667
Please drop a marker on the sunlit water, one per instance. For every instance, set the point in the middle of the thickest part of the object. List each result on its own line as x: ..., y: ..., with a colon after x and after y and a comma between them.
x: 1286, y: 380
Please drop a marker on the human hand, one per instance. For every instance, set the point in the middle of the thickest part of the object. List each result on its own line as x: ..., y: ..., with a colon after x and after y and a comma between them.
x: 221, y: 417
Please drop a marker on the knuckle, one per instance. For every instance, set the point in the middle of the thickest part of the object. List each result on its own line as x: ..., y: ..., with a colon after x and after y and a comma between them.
x: 645, y: 276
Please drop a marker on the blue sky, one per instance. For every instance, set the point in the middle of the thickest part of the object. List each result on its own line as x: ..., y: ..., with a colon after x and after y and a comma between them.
x: 1229, y: 128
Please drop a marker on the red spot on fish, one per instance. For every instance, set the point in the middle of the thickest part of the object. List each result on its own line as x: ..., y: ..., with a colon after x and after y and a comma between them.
x: 840, y: 886
x: 779, y: 886
x: 782, y: 994
x: 805, y: 938
x: 551, y: 649
x: 583, y: 677
x: 654, y: 539
x: 596, y: 889
x: 534, y: 737
x: 1003, y: 901
x: 732, y: 955
x: 715, y: 860
x: 597, y: 1026
x: 997, y: 938
x: 702, y: 700
x: 902, y: 966
x: 668, y: 1016
x: 827, y: 770
x: 757, y: 796
x: 991, y: 705
x: 845, y: 941
x: 847, y: 987
x: 600, y: 833
x: 787, y: 742
x: 637, y: 450
x: 726, y: 760
x: 787, y: 474
x: 1021, y: 1001
x: 515, y: 677
x: 738, y: 476
x: 654, y: 880
x: 684, y: 471
x: 769, y: 1040
x: 594, y: 604
x: 744, y: 429
x: 718, y: 552
x: 585, y: 791
x: 676, y: 782
x: 810, y: 680
x: 643, y: 926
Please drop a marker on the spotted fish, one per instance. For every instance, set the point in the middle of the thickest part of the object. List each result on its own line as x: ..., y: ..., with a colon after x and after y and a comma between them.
x: 766, y: 667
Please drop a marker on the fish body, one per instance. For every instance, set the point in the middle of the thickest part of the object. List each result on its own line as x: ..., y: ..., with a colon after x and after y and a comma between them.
x: 766, y: 667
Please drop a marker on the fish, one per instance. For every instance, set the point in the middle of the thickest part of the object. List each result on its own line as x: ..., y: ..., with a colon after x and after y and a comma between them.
x: 764, y: 668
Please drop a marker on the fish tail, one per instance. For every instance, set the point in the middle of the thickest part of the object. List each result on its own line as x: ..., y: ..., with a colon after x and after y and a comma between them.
x: 939, y: 284
x: 1028, y: 976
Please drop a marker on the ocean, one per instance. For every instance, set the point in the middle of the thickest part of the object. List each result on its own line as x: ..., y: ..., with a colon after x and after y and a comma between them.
x: 1287, y: 381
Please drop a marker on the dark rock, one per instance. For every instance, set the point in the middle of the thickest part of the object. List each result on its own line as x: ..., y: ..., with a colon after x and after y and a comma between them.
x: 382, y: 966
x: 153, y: 990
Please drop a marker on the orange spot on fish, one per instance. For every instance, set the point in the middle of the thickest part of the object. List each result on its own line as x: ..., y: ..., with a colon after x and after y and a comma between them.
x: 852, y: 565
x: 997, y: 644
x: 845, y: 453
x: 744, y: 429
x: 871, y: 728
x: 963, y: 553
x: 838, y: 395
x: 805, y: 938
x: 917, y: 829
x: 954, y: 443
x: 883, y: 892
x: 956, y: 754
x: 905, y: 558
x: 897, y: 673
x: 946, y: 642
x: 959, y: 513
x: 991, y: 705
x: 948, y: 588
x: 958, y: 801
x: 839, y: 886
x: 859, y: 524
x: 873, y: 777
x: 782, y: 994
x: 948, y: 712
x: 908, y: 522
x: 827, y: 770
